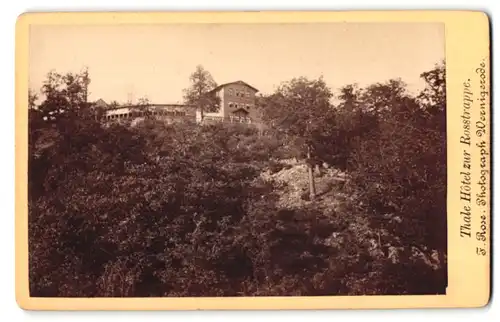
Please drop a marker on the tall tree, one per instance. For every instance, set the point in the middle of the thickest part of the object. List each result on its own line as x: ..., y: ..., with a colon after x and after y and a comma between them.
x: 405, y: 152
x: 32, y: 98
x: 433, y: 102
x: 351, y: 123
x: 200, y: 93
x: 143, y: 101
x: 64, y: 94
x: 142, y: 108
x: 114, y: 104
x: 433, y: 97
x: 85, y: 82
x: 301, y: 110
x: 380, y: 97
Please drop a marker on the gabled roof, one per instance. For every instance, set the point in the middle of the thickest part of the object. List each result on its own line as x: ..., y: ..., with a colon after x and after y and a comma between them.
x: 237, y: 82
x: 100, y: 102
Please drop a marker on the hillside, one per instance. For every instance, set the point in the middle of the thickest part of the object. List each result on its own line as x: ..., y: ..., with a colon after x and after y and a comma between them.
x: 335, y: 199
x: 182, y: 209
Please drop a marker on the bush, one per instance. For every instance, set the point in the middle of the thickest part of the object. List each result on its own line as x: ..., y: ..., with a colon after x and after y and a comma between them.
x: 182, y: 210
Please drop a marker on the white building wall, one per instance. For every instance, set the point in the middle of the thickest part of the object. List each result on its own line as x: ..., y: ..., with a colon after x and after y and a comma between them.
x: 220, y: 94
x: 118, y: 111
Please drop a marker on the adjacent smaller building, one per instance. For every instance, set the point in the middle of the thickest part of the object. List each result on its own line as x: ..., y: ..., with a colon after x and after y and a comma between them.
x: 167, y: 112
x: 100, y: 103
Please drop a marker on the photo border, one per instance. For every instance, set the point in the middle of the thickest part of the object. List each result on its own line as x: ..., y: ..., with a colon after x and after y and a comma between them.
x: 467, y: 41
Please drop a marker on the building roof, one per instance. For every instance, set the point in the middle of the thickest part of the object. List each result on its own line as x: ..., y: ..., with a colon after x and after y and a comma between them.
x: 150, y: 105
x: 237, y: 82
x: 100, y: 102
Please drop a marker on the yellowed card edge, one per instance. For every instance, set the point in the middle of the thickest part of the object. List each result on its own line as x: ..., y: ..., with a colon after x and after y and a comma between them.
x: 467, y: 43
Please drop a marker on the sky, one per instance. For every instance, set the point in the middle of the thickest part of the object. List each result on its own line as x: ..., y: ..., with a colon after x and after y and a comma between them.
x: 127, y: 62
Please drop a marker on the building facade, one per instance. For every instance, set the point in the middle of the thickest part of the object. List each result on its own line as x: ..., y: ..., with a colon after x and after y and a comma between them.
x: 237, y: 103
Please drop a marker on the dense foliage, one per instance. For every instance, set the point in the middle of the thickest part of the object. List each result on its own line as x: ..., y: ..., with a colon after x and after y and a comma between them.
x: 185, y: 210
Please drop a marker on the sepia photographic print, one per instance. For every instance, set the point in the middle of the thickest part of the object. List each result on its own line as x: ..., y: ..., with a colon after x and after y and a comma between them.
x: 218, y: 159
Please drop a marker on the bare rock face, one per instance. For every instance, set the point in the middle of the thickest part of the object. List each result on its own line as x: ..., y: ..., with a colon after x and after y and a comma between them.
x: 292, y: 179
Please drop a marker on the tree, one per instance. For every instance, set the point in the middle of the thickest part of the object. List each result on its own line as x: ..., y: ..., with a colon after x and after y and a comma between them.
x: 114, y: 104
x: 378, y: 98
x: 177, y: 209
x: 433, y: 101
x: 348, y: 125
x: 85, y: 81
x: 200, y: 94
x: 32, y: 98
x: 64, y: 95
x: 153, y: 207
x: 301, y: 110
x: 433, y: 97
x: 399, y: 169
x: 142, y: 108
x: 143, y: 101
x: 63, y: 110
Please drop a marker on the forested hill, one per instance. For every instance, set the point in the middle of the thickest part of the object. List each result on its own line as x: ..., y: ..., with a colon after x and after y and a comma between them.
x: 330, y: 200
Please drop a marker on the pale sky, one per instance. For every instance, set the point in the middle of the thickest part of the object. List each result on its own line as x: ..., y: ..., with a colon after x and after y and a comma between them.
x: 156, y: 60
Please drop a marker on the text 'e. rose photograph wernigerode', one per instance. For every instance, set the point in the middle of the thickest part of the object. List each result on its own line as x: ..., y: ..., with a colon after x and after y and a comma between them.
x: 230, y: 160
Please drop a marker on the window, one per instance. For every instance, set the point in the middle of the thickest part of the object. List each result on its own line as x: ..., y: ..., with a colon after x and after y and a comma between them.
x: 230, y: 92
x: 230, y: 104
x: 235, y: 105
x: 248, y: 93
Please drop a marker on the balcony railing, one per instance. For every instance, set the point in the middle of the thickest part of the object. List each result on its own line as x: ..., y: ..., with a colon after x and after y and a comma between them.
x: 129, y: 115
x: 138, y: 114
x: 230, y: 119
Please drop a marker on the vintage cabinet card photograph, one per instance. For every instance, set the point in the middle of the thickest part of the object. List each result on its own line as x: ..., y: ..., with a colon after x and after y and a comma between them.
x: 252, y: 160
